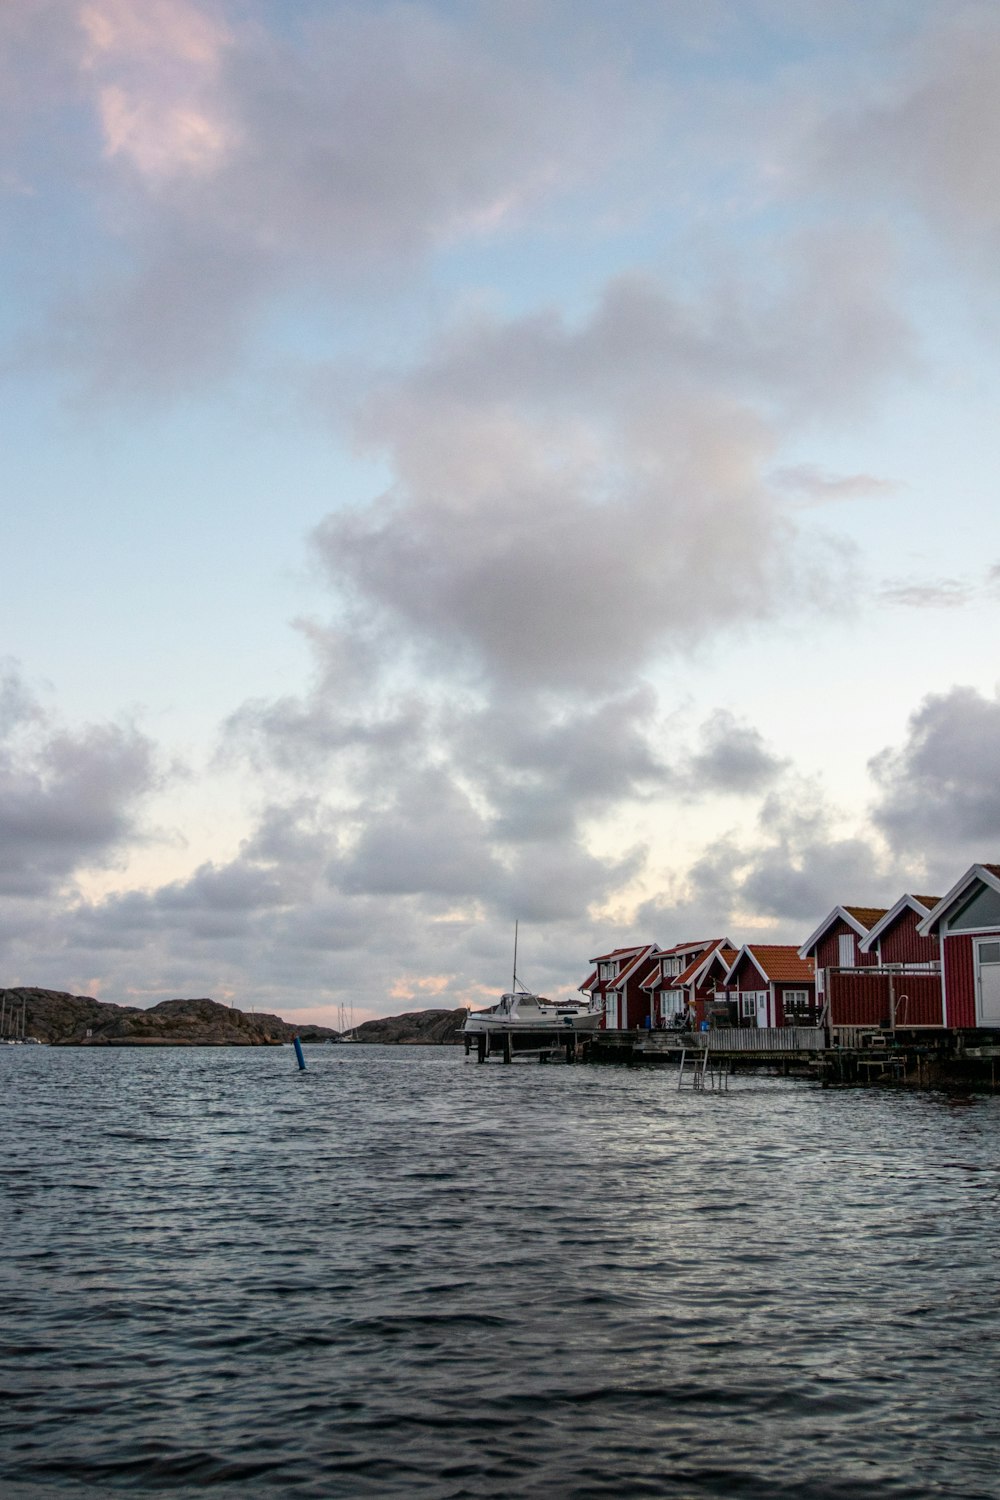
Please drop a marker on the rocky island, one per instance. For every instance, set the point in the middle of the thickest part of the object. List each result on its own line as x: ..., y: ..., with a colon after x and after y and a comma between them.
x: 65, y: 1020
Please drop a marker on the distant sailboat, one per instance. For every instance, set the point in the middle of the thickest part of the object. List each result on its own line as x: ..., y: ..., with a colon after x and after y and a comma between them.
x: 346, y: 1029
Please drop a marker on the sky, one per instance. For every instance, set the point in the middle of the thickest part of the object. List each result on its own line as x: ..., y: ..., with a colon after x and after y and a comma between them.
x: 481, y: 461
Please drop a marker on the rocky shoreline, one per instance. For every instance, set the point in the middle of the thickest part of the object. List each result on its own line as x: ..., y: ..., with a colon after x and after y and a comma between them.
x: 63, y: 1020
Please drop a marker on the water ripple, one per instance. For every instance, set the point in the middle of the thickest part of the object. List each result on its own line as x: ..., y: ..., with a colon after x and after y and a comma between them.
x: 398, y: 1274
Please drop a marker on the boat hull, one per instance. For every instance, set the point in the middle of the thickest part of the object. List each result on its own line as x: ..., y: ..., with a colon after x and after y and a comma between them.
x: 563, y: 1026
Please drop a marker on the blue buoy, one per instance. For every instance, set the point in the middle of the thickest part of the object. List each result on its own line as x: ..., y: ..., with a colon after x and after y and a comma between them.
x: 298, y: 1054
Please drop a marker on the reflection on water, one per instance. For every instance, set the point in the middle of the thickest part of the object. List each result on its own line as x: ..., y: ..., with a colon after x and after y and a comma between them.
x: 402, y: 1274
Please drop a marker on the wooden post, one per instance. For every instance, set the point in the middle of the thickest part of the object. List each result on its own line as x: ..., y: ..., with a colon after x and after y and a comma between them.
x: 481, y: 1048
x: 507, y: 1046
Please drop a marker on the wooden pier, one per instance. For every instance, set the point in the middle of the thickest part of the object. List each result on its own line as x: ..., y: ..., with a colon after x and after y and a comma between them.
x: 907, y: 1058
x: 542, y: 1045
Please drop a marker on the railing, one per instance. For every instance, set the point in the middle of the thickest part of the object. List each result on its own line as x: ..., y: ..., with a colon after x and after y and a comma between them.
x: 729, y: 1039
x: 884, y: 997
x: 762, y: 1039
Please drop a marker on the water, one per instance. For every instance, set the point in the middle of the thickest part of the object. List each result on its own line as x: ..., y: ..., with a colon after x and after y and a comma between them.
x: 399, y: 1274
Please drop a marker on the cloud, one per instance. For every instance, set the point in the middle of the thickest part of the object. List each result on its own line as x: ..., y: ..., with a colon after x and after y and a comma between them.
x: 570, y: 501
x: 808, y: 484
x: 156, y: 68
x: 68, y: 798
x: 931, y: 142
x: 939, y: 795
x: 429, y: 840
x: 942, y: 593
x: 237, y: 165
x: 733, y: 758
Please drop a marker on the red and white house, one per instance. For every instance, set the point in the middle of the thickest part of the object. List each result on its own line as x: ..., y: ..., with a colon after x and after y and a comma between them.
x: 615, y: 984
x: 895, y: 938
x: 966, y: 926
x: 666, y: 981
x: 772, y: 985
x: 836, y: 943
x: 712, y: 979
x: 702, y: 983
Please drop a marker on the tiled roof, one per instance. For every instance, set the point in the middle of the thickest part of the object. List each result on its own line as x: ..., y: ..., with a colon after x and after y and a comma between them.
x: 701, y: 943
x: 588, y: 982
x: 696, y: 963
x: 629, y: 969
x: 993, y: 869
x: 781, y: 962
x: 931, y: 901
x: 692, y: 968
x: 649, y: 973
x: 867, y: 915
x: 602, y: 958
x: 724, y: 956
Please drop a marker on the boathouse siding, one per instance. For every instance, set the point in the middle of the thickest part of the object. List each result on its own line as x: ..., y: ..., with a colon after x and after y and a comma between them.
x: 967, y: 924
x: 763, y: 979
x: 896, y: 939
x: 619, y: 973
x: 903, y: 944
x: 960, y: 980
x: 697, y: 988
x: 829, y: 953
x: 876, y: 998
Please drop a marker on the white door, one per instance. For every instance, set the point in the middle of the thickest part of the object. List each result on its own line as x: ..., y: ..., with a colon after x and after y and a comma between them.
x: 988, y: 954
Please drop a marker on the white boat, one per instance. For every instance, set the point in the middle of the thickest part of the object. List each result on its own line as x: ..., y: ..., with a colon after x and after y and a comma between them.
x: 523, y: 1014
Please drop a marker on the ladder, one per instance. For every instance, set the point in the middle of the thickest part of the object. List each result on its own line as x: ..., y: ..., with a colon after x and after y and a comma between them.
x: 709, y: 1075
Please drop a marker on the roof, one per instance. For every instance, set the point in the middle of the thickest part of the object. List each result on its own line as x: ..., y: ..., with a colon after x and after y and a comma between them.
x: 630, y: 969
x: 702, y: 963
x: 602, y: 958
x: 860, y: 918
x: 986, y: 874
x: 701, y: 943
x: 778, y: 963
x: 921, y: 905
x: 588, y: 983
x: 698, y: 948
x: 866, y: 915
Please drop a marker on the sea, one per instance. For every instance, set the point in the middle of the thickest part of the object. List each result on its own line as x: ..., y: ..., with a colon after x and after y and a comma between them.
x: 402, y: 1273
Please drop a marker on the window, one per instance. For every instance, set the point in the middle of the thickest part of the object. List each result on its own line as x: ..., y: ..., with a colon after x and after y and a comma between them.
x: 846, y: 945
x: 749, y: 1005
x: 796, y: 1000
x: 981, y: 910
x: 989, y: 953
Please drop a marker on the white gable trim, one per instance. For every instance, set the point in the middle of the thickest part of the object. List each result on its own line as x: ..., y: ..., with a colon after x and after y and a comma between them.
x: 633, y: 964
x: 975, y: 873
x: 745, y: 952
x: 867, y: 944
x: 699, y: 973
x: 839, y: 914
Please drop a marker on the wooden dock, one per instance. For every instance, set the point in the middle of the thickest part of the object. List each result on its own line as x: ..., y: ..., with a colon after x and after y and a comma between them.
x: 540, y: 1045
x: 912, y: 1058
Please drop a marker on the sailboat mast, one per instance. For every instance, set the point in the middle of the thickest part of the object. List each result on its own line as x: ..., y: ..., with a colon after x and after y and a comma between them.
x: 513, y: 987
